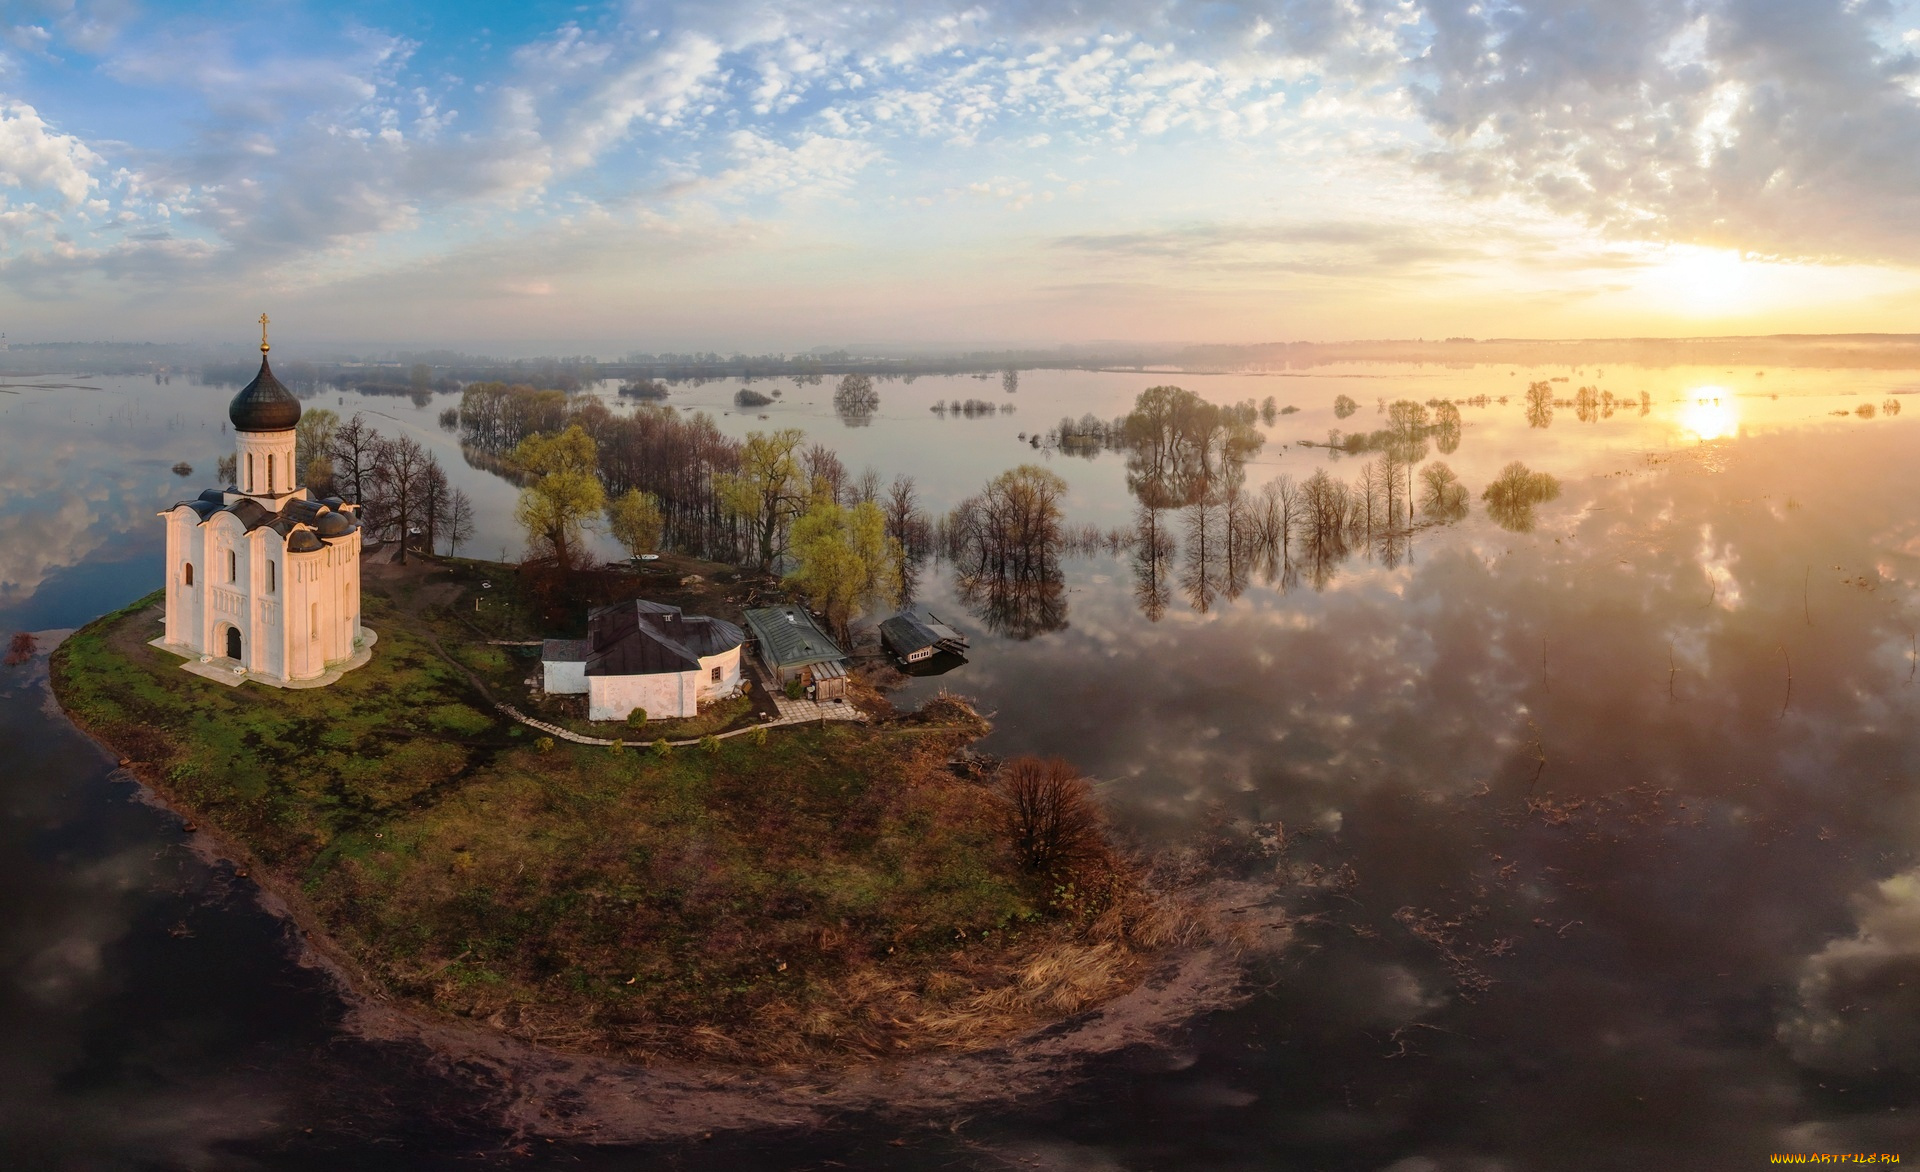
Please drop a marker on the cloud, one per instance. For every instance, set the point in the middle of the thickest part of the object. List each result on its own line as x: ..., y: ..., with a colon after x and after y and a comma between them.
x: 1784, y: 127
x: 1859, y: 996
x: 1332, y: 246
x: 33, y: 155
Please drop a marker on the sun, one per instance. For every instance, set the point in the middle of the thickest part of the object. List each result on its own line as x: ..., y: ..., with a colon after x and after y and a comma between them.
x: 1708, y: 282
x: 1711, y: 413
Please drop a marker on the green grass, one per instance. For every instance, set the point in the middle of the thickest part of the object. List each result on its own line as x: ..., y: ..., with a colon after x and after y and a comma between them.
x: 788, y: 899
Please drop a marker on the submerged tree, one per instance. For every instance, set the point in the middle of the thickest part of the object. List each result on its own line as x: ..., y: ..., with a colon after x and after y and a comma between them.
x: 1344, y: 407
x: 1513, y: 494
x: 1182, y: 448
x: 1539, y: 404
x: 1005, y: 545
x: 1442, y: 497
x: 855, y: 400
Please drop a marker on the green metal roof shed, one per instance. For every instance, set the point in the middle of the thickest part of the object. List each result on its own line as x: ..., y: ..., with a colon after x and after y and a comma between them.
x: 788, y: 639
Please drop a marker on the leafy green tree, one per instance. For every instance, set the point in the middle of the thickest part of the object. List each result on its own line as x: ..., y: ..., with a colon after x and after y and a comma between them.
x: 769, y: 491
x: 313, y: 446
x: 636, y: 521
x: 847, y: 565
x: 565, y: 495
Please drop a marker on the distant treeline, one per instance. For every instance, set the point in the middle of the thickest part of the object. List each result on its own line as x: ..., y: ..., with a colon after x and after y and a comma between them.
x: 1852, y: 351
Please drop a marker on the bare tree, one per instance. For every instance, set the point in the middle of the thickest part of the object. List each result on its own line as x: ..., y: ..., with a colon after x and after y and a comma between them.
x: 1050, y: 816
x: 825, y: 472
x: 435, y: 494
x: 398, y: 486
x: 459, y: 520
x: 353, y: 450
x: 906, y: 524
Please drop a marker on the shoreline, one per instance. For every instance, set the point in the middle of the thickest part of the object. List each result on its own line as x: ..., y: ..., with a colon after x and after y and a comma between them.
x: 544, y: 1091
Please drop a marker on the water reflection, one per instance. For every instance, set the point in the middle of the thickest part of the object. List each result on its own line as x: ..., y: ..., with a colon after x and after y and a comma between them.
x: 1712, y: 414
x: 1583, y: 895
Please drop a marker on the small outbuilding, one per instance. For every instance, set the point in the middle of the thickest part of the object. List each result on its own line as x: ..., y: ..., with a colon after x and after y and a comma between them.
x: 916, y: 634
x: 793, y: 646
x: 648, y: 655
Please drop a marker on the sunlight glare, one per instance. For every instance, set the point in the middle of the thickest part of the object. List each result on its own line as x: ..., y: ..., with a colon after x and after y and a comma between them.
x: 1712, y: 414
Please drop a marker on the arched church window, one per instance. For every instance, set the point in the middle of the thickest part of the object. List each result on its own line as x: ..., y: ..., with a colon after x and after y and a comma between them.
x: 269, y: 577
x: 188, y: 579
x: 249, y: 471
x: 269, y: 472
x: 233, y: 567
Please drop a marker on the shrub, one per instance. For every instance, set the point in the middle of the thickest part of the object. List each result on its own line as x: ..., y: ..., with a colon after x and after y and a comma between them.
x: 637, y: 718
x: 617, y: 747
x: 710, y: 743
x: 544, y: 744
x: 662, y: 749
x: 760, y: 735
x: 795, y: 688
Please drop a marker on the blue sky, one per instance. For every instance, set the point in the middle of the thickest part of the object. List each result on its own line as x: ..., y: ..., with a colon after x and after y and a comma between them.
x: 542, y: 176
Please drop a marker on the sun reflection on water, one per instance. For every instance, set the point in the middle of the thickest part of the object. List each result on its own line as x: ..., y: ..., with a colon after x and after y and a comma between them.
x: 1711, y: 414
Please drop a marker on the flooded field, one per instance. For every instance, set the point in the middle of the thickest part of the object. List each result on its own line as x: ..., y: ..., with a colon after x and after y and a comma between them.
x: 1599, y: 805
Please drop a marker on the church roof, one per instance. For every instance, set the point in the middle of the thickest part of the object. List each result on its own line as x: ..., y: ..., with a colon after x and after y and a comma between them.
x: 264, y: 404
x: 296, y: 522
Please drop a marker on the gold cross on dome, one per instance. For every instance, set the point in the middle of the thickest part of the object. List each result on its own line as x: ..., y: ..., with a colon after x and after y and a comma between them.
x: 263, y: 333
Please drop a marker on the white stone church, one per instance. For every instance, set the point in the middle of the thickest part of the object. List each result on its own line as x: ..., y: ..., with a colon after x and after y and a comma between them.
x: 263, y: 580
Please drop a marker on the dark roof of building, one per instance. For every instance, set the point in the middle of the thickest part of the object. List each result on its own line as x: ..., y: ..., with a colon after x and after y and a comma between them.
x: 790, y: 638
x: 563, y: 651
x: 639, y: 637
x: 911, y: 631
x: 263, y: 404
x: 305, y: 524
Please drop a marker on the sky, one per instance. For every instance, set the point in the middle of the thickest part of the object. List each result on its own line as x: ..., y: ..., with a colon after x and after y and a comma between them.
x: 735, y: 175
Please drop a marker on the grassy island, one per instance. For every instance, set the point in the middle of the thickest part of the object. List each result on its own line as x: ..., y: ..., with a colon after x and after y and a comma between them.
x: 800, y: 894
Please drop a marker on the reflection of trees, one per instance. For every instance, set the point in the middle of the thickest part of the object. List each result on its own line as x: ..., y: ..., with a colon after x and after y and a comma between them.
x: 1513, y: 494
x: 1152, y: 556
x: 1539, y: 404
x: 1442, y: 497
x: 1446, y: 428
x: 1199, y: 572
x: 1181, y: 448
x: 1328, y: 514
x: 855, y: 400
x: 1005, y: 544
x: 1019, y: 607
x: 1344, y: 407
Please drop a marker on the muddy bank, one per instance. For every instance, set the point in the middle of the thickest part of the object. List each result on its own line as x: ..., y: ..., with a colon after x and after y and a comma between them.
x: 545, y: 1093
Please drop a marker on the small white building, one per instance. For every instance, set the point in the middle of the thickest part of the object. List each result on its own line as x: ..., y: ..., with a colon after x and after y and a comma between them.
x: 646, y: 655
x: 261, y: 576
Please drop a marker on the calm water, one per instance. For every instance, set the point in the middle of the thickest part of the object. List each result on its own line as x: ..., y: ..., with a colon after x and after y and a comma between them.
x: 1628, y: 801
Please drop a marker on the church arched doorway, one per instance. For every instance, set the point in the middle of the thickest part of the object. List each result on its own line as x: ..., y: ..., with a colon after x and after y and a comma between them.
x: 233, y: 642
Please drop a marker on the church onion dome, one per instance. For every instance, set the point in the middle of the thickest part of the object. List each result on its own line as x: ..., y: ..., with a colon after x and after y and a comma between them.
x: 263, y: 404
x: 303, y: 541
x: 334, y: 525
